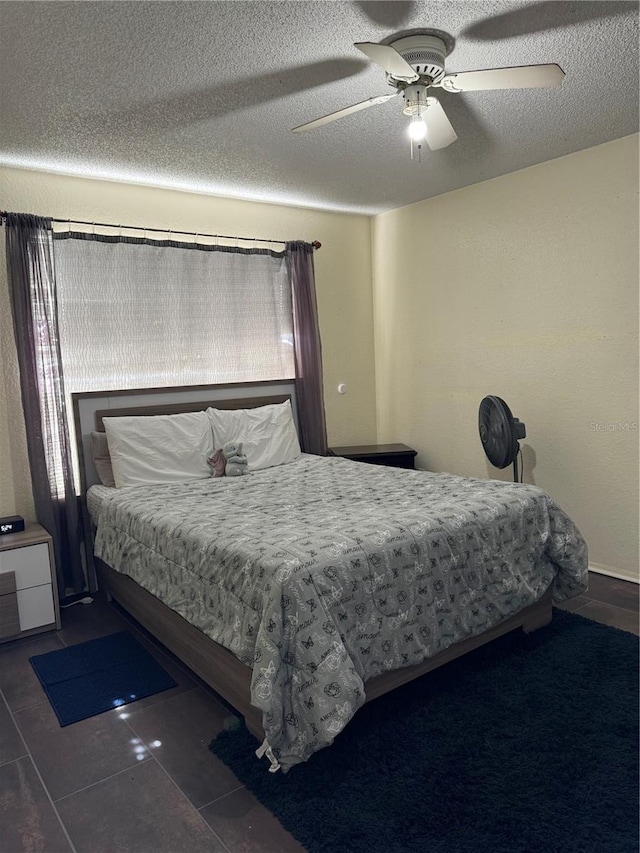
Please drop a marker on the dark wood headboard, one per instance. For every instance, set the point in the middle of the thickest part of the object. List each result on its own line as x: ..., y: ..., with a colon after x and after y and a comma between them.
x: 180, y: 408
x: 91, y: 407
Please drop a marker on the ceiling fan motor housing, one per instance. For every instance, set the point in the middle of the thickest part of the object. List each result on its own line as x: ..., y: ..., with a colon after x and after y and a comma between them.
x: 424, y: 53
x: 415, y: 99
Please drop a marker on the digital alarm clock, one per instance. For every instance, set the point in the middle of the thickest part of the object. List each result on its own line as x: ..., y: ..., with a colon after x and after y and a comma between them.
x: 11, y: 524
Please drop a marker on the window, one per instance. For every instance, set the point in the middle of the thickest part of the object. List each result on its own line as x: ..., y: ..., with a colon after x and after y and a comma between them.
x: 137, y: 314
x: 142, y: 314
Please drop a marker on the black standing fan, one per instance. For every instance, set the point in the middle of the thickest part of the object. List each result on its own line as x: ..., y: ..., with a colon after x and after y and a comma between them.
x: 499, y: 433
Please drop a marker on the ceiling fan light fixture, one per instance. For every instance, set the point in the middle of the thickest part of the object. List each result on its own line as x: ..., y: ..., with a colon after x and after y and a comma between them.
x: 417, y: 128
x: 415, y: 105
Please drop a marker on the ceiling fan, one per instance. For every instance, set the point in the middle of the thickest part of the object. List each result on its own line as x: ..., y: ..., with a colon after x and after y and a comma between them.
x: 415, y: 65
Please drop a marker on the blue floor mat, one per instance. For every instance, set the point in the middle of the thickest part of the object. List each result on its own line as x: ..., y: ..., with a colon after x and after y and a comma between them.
x: 90, y: 678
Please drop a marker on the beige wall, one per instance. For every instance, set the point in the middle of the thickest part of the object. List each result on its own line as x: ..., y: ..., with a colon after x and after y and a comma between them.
x: 525, y: 286
x: 343, y: 283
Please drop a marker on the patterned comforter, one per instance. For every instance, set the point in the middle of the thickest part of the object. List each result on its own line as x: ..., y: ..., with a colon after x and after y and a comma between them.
x: 323, y: 573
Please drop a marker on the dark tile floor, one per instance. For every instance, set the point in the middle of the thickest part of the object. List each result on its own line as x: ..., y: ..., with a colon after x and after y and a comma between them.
x: 141, y: 779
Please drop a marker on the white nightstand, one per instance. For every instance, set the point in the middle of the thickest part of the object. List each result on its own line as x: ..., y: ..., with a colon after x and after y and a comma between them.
x: 28, y: 588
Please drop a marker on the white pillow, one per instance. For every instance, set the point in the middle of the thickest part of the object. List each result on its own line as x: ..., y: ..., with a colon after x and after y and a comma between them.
x: 268, y: 433
x: 159, y: 448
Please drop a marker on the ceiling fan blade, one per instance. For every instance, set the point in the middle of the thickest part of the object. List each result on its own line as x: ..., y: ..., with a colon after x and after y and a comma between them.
x: 363, y: 105
x: 388, y: 59
x: 440, y: 132
x: 520, y: 77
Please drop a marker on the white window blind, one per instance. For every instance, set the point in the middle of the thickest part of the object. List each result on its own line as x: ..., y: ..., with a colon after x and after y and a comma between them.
x: 138, y: 315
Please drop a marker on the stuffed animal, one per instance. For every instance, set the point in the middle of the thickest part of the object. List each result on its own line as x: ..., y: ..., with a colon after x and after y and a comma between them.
x: 236, y: 461
x: 217, y: 463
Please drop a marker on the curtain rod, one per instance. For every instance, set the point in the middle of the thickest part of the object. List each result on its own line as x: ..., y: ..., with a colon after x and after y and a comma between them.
x: 314, y: 243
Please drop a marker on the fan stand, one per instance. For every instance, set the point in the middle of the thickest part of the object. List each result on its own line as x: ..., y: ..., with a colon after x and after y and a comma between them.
x: 518, y: 452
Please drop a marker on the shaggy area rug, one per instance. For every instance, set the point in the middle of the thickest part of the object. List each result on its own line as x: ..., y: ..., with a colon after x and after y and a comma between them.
x: 527, y: 745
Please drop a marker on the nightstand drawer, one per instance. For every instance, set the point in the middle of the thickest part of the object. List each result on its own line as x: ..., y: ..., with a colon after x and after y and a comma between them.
x: 9, y: 617
x: 24, y: 609
x: 30, y: 565
x: 7, y: 583
x: 35, y: 607
x: 28, y: 587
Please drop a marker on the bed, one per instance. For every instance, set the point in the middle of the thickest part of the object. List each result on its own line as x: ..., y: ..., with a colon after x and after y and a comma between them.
x: 302, y: 591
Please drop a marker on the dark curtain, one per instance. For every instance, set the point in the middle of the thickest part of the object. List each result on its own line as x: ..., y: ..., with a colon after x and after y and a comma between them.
x: 32, y: 291
x: 307, y: 349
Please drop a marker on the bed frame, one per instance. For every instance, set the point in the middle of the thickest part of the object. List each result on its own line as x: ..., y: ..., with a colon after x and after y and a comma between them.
x: 217, y: 666
x: 222, y: 671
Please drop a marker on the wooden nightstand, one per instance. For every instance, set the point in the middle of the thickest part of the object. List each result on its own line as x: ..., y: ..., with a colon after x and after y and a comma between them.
x: 395, y: 455
x: 28, y: 587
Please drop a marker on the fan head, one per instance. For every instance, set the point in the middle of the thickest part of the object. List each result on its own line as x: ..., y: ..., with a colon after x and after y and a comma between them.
x: 499, y: 431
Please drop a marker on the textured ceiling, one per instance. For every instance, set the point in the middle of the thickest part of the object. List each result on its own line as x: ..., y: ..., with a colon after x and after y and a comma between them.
x: 203, y: 96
